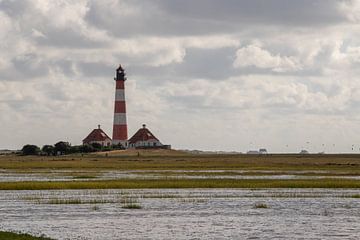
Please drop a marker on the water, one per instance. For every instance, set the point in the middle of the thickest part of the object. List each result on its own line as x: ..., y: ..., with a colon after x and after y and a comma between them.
x: 186, y: 214
x: 70, y: 175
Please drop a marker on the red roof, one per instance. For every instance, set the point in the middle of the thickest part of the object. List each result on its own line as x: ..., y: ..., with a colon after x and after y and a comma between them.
x: 96, y: 135
x: 143, y: 134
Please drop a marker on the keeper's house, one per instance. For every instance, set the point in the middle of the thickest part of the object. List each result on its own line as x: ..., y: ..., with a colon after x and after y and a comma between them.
x: 98, y: 136
x: 143, y: 138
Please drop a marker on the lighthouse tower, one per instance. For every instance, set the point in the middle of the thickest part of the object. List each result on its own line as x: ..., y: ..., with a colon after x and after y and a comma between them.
x: 120, y: 134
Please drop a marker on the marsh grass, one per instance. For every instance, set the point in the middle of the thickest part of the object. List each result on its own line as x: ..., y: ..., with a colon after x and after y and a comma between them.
x: 43, y: 199
x: 193, y: 200
x: 95, y: 208
x: 160, y: 195
x: 130, y: 202
x: 78, y: 201
x: 340, y: 163
x: 20, y: 236
x: 31, y: 198
x: 132, y: 206
x: 85, y: 177
x: 184, y: 183
x: 261, y: 205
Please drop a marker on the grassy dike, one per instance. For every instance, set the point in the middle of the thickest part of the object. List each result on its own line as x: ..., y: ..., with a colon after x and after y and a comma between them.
x: 19, y: 236
x: 184, y: 183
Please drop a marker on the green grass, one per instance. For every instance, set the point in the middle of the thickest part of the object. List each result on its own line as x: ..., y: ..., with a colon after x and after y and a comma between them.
x: 19, y: 236
x: 184, y: 183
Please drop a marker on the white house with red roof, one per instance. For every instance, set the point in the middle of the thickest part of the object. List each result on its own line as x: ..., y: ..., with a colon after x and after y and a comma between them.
x: 143, y: 138
x: 98, y: 136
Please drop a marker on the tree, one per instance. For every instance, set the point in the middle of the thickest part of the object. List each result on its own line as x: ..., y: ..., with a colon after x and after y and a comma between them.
x: 75, y: 149
x: 48, y: 149
x: 62, y: 147
x: 30, y: 150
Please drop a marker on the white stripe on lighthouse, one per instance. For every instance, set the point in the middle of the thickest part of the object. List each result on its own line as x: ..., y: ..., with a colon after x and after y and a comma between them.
x: 120, y: 95
x: 119, y: 118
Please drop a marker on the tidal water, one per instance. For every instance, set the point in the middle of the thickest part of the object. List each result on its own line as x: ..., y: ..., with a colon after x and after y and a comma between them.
x: 70, y: 175
x: 185, y: 214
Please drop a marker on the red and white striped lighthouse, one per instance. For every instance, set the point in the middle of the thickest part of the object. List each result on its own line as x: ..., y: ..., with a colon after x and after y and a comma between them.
x: 120, y: 134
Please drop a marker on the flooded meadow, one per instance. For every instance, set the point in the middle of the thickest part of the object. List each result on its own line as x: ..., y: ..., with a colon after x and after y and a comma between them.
x: 88, y: 175
x: 181, y: 196
x: 183, y: 213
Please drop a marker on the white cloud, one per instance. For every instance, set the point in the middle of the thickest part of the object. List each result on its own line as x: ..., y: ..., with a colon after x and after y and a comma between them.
x: 253, y: 55
x: 351, y: 9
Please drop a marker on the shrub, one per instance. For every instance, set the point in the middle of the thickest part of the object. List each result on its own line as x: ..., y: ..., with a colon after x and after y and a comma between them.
x: 62, y: 147
x: 96, y: 146
x: 30, y: 150
x: 87, y: 148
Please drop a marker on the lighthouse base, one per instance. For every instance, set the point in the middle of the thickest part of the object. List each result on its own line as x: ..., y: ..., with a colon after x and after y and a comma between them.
x: 123, y: 143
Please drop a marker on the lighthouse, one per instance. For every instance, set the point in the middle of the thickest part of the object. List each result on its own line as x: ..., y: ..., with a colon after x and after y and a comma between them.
x: 120, y: 134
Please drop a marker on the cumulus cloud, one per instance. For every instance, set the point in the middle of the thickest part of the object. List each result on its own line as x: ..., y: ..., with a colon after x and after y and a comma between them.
x: 234, y: 71
x: 253, y: 55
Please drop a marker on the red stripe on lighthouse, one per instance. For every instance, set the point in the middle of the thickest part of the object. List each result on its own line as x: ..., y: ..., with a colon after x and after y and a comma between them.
x: 120, y: 84
x: 120, y: 107
x: 120, y: 134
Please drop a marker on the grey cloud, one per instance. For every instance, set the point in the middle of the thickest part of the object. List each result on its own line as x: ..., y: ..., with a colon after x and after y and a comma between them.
x: 259, y: 11
x: 179, y: 17
x: 96, y: 69
x: 25, y: 68
x: 67, y: 38
x: 15, y: 8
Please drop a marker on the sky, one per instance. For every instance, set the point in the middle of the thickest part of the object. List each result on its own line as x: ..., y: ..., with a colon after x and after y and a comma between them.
x: 229, y: 75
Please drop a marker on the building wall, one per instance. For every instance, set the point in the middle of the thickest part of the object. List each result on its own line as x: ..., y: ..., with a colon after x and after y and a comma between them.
x: 106, y: 142
x: 149, y: 143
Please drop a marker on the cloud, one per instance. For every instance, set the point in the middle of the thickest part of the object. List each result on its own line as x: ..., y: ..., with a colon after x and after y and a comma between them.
x: 351, y: 9
x: 253, y: 55
x: 233, y: 71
